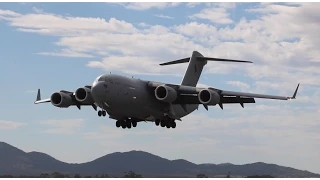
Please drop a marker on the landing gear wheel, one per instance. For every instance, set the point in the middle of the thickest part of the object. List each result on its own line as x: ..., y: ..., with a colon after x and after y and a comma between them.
x: 128, y: 124
x: 162, y: 123
x: 157, y: 122
x: 99, y: 113
x: 118, y: 124
x: 168, y: 125
x: 104, y: 113
x: 134, y: 123
x: 123, y: 125
x: 173, y: 124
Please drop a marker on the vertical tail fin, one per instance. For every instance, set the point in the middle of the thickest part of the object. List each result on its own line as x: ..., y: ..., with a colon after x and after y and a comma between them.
x: 194, y: 70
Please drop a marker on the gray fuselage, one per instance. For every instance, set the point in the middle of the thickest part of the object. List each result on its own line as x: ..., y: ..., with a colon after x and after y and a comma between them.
x: 124, y: 97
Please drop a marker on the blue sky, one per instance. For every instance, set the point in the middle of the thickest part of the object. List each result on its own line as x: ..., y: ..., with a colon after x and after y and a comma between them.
x: 55, y: 46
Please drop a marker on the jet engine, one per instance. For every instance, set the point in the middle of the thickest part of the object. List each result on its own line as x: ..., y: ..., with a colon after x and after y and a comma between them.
x: 84, y: 96
x: 165, y: 93
x: 62, y: 100
x: 208, y: 97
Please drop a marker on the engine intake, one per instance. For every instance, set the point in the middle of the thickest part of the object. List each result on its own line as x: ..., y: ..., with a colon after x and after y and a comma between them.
x: 84, y: 96
x: 62, y: 100
x: 208, y: 97
x: 165, y: 93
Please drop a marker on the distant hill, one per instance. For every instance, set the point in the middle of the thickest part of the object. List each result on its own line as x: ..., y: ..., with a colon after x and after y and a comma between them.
x: 14, y: 161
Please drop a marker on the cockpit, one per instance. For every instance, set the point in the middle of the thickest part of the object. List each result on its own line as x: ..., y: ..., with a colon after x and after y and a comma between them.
x: 99, y: 78
x: 109, y: 79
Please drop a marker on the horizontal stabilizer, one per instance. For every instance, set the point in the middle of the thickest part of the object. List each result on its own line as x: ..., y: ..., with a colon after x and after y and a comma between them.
x: 221, y: 59
x: 185, y: 60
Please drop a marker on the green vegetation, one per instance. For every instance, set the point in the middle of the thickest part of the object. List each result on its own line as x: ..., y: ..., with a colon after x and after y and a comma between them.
x: 129, y: 174
x: 201, y: 176
x: 132, y: 174
x: 262, y: 176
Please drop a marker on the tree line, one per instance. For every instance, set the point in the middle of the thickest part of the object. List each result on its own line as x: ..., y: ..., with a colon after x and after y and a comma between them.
x: 129, y: 174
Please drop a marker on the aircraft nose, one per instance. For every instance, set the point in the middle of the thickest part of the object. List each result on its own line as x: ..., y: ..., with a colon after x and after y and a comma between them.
x: 98, y: 91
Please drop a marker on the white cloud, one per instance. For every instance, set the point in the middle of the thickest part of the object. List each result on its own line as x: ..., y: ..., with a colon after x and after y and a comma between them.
x: 274, y: 56
x: 144, y: 24
x: 10, y: 124
x: 51, y: 24
x: 282, y: 87
x: 8, y: 13
x: 37, y: 10
x: 215, y: 15
x: 227, y: 5
x: 203, y: 85
x: 67, y: 53
x: 194, y: 29
x: 241, y: 85
x: 135, y: 65
x: 148, y: 5
x: 63, y: 126
x: 273, y: 59
x: 157, y: 30
x: 193, y: 4
x: 163, y: 16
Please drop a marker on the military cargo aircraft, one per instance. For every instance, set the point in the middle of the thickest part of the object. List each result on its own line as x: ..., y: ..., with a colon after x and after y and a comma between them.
x: 130, y: 100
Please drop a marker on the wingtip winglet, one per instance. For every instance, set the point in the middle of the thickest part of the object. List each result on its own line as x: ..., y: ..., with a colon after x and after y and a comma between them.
x: 295, y: 92
x: 38, y: 97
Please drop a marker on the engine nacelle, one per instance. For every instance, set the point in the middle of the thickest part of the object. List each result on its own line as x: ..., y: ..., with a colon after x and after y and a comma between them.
x: 60, y: 99
x: 165, y: 93
x: 208, y: 97
x: 84, y: 96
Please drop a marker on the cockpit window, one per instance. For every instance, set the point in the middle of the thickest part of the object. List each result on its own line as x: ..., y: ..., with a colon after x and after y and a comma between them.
x: 104, y: 78
x: 99, y: 78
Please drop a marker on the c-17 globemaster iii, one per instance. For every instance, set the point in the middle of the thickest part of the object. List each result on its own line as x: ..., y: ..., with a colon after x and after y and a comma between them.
x: 130, y: 100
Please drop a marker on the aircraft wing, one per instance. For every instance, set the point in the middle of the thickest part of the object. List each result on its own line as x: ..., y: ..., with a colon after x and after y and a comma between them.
x: 39, y: 100
x: 243, y: 94
x: 252, y: 95
x: 71, y: 94
x: 189, y: 95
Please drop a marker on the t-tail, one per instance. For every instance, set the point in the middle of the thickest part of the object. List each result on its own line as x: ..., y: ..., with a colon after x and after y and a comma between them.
x: 196, y: 63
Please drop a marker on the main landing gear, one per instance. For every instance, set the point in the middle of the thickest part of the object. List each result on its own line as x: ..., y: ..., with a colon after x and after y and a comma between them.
x: 128, y: 123
x: 102, y: 113
x: 168, y: 122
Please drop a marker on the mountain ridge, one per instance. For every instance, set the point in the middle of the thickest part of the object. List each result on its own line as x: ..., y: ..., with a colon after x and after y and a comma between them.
x: 14, y: 161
